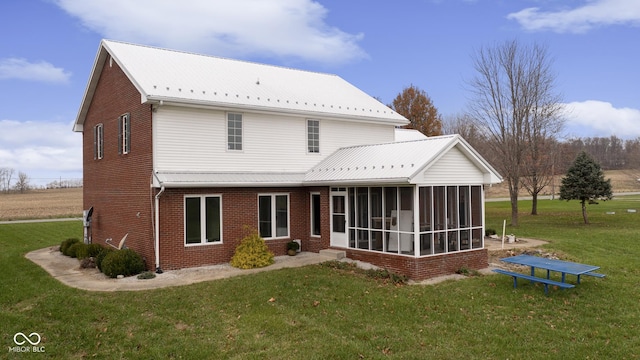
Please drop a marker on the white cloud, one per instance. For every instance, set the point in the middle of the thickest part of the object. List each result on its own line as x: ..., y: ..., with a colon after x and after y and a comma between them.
x: 38, y: 148
x: 580, y: 19
x: 14, y: 68
x: 277, y: 28
x: 593, y: 118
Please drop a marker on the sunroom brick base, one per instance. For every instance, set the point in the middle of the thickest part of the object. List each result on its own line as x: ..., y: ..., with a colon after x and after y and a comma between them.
x: 425, y: 267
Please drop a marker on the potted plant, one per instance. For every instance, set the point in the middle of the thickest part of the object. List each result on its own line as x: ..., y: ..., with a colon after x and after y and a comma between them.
x: 292, y: 247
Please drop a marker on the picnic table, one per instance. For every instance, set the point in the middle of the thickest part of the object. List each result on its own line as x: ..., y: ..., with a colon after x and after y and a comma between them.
x: 563, y: 267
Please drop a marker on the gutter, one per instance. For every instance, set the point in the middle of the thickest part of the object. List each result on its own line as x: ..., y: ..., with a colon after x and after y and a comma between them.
x: 157, y: 230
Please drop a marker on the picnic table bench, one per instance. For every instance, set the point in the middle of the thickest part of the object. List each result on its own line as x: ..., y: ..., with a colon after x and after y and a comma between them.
x: 545, y: 282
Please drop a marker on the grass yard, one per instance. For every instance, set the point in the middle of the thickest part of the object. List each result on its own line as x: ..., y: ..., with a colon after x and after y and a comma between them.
x: 325, y: 313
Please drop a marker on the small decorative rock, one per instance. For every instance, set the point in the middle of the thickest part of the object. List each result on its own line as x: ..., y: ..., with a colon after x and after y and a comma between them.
x: 120, y: 276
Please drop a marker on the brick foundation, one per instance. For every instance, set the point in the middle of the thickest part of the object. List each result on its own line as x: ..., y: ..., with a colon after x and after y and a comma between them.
x: 424, y: 267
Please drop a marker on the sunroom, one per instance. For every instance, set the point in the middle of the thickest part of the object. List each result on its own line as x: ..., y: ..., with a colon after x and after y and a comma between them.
x: 415, y: 198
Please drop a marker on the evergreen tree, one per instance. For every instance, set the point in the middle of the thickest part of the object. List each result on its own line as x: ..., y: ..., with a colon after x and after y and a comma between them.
x: 585, y: 181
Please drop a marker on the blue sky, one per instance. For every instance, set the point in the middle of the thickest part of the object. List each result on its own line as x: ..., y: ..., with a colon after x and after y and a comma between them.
x: 47, y: 49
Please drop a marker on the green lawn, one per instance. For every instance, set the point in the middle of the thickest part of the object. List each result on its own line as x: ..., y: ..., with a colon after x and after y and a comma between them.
x: 325, y: 313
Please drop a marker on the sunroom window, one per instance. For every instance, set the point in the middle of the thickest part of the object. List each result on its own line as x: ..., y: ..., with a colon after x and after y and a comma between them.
x: 384, y: 219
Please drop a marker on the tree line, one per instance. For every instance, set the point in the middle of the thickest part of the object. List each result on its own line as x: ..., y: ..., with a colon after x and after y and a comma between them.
x: 21, y: 182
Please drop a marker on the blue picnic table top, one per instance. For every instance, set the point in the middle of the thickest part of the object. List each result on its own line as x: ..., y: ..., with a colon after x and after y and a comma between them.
x: 564, y: 267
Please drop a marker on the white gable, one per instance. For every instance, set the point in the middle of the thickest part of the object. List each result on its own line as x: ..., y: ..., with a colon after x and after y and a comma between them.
x: 405, y: 162
x: 453, y: 168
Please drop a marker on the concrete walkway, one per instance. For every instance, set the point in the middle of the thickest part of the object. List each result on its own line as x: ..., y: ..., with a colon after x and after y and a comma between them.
x: 67, y: 270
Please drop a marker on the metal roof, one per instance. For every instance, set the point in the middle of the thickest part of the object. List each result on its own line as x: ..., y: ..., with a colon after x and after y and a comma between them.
x: 396, y: 162
x: 183, y: 78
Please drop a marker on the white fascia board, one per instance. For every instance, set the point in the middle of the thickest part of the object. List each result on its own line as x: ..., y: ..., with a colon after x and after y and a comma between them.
x: 190, y: 185
x: 161, y: 100
x: 89, y: 91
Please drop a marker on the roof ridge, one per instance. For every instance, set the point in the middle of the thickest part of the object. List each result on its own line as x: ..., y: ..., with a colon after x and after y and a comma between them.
x: 218, y: 57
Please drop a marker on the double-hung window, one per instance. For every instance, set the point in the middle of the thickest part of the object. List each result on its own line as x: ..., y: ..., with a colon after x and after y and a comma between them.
x: 124, y: 134
x: 273, y: 215
x: 313, y: 136
x: 234, y: 131
x: 98, y: 142
x: 315, y: 214
x: 203, y: 219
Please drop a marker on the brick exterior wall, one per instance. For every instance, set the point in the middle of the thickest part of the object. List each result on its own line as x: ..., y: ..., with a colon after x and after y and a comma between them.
x: 424, y: 267
x: 239, y: 210
x: 118, y: 186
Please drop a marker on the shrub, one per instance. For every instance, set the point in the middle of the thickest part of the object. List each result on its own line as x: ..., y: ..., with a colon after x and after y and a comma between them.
x: 489, y: 232
x: 78, y: 250
x: 293, y: 245
x: 252, y: 252
x: 122, y: 262
x: 101, y: 255
x: 64, y: 246
x: 94, y: 249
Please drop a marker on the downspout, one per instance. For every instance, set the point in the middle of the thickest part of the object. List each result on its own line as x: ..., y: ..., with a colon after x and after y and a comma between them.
x: 157, y: 232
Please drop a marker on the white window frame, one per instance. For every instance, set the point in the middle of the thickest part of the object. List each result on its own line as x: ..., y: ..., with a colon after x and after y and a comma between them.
x: 124, y: 134
x: 235, y: 145
x: 203, y: 223
x: 313, y: 145
x: 311, y: 214
x: 98, y: 142
x: 273, y: 215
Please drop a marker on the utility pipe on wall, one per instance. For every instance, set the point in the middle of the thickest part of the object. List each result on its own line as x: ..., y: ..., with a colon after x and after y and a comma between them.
x: 157, y: 232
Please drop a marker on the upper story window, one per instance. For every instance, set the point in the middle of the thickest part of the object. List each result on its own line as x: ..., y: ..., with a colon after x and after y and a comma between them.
x: 313, y: 136
x: 98, y: 142
x: 124, y: 134
x: 234, y: 131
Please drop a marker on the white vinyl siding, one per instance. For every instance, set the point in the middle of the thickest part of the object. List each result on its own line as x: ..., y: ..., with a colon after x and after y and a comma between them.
x: 188, y: 139
x: 453, y: 168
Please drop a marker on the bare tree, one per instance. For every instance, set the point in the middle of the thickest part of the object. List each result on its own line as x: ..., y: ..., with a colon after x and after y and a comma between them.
x: 22, y: 184
x: 463, y: 125
x: 5, y: 178
x: 416, y: 105
x: 513, y: 100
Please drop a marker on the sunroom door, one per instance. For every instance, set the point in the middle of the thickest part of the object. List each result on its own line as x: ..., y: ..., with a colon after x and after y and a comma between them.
x: 339, y: 219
